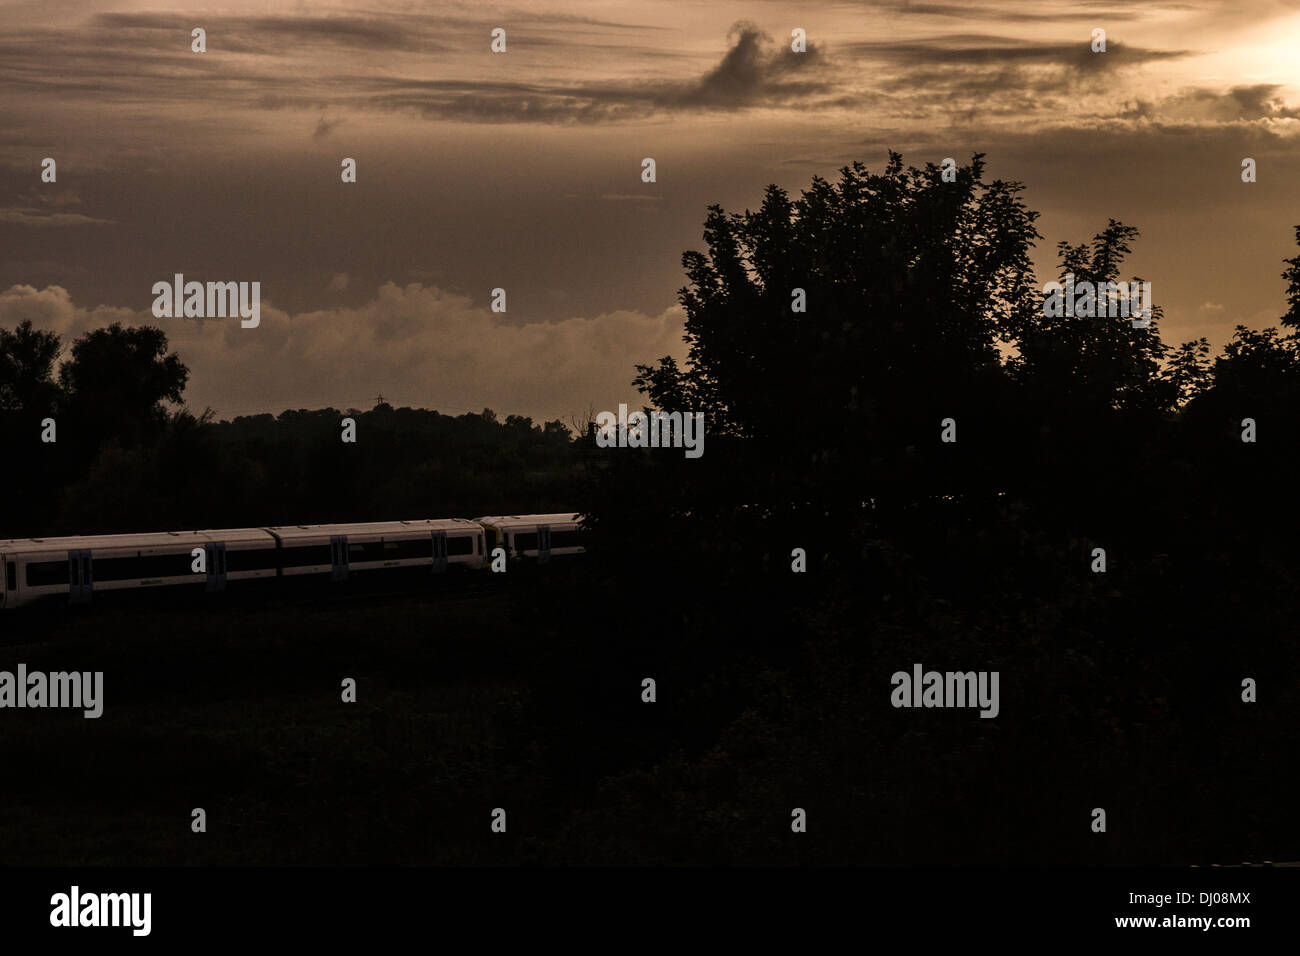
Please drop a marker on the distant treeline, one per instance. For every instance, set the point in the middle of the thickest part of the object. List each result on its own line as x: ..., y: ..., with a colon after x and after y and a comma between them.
x: 125, y: 458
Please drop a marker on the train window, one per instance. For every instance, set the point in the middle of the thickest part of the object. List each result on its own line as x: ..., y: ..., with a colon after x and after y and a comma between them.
x: 461, y: 545
x: 11, y: 576
x: 408, y: 549
x: 117, y: 569
x: 306, y: 555
x: 178, y: 564
x: 567, y: 539
x: 42, y: 574
x: 369, y: 551
x: 526, y: 541
x: 251, y: 559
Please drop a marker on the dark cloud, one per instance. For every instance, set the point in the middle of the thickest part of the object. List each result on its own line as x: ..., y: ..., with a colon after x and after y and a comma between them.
x: 49, y: 206
x: 146, y: 57
x: 1200, y: 106
x: 391, y: 32
x: 960, y: 50
x: 504, y: 101
x: 324, y: 127
x: 44, y: 218
x: 268, y: 34
x: 754, y: 72
x: 1260, y: 101
x: 974, y: 11
x: 973, y: 76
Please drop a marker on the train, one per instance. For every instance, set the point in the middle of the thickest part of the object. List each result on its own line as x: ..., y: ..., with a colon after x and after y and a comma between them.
x: 82, y: 566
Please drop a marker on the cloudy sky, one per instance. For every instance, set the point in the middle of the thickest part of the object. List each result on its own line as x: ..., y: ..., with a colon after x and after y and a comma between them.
x: 522, y: 170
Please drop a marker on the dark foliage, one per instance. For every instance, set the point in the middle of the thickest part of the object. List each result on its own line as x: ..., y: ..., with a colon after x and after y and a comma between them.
x: 1119, y: 690
x: 126, y: 461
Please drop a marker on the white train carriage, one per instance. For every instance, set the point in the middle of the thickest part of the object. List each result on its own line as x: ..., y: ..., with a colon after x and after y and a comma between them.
x: 36, y: 568
x: 339, y: 549
x: 240, y: 554
x: 535, y: 536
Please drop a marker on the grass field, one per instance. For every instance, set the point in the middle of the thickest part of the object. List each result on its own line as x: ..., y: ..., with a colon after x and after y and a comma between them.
x: 526, y: 695
x: 238, y: 709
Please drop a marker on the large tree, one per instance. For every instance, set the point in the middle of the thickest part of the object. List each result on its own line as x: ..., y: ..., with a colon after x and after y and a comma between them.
x: 27, y: 357
x: 829, y: 336
x: 903, y: 274
x: 118, y: 379
x: 1088, y: 364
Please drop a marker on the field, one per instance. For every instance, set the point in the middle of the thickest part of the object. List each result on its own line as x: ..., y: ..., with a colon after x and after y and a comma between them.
x: 237, y: 708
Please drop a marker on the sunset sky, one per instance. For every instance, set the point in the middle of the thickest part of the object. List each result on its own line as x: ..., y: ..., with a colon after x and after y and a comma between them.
x: 522, y: 170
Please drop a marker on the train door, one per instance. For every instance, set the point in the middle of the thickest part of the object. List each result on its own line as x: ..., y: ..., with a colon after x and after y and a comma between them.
x: 216, y: 559
x: 5, y: 580
x: 80, y: 580
x: 439, y: 551
x: 339, y: 557
x: 543, y: 543
x: 11, y: 583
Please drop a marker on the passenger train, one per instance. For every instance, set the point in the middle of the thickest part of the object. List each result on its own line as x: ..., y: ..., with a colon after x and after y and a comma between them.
x: 81, y: 567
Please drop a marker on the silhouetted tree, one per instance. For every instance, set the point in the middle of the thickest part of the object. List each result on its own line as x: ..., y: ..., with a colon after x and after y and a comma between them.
x: 27, y: 358
x: 117, y: 381
x: 1091, y: 363
x: 1190, y: 370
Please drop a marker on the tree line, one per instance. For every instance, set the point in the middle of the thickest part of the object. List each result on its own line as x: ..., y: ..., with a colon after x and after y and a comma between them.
x: 127, y: 455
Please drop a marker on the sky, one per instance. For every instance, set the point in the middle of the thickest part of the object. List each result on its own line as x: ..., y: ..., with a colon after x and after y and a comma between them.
x: 522, y: 170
